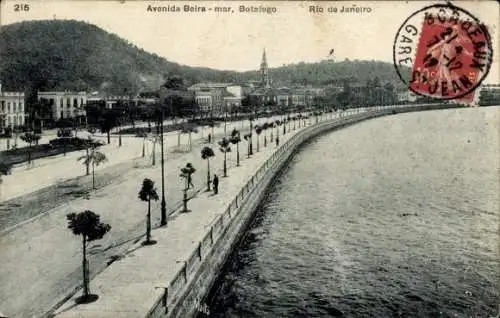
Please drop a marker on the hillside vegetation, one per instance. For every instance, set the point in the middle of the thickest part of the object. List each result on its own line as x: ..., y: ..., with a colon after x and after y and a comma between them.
x: 68, y: 54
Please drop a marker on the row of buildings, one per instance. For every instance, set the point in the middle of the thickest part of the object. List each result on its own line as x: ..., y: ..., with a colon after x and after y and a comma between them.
x: 210, y: 98
x: 218, y: 98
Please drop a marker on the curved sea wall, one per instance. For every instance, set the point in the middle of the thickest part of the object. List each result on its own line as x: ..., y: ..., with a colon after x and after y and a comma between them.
x: 193, y: 282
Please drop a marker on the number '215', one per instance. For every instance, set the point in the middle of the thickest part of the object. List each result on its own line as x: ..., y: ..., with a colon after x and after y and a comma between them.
x: 21, y: 7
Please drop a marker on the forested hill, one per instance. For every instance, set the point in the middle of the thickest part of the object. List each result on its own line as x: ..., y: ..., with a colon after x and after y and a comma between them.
x: 68, y: 54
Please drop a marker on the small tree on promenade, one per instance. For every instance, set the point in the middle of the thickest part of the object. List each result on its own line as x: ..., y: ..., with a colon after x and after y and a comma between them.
x: 235, y: 140
x: 147, y: 193
x: 225, y: 148
x: 258, y: 131
x: 88, y: 225
x: 264, y: 129
x: 186, y: 174
x: 248, y: 138
x: 206, y: 154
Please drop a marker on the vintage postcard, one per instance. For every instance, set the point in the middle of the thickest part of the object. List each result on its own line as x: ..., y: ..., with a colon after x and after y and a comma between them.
x: 249, y: 158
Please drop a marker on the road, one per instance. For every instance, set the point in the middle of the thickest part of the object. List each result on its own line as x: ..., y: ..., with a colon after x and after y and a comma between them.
x: 42, y: 258
x: 51, y: 170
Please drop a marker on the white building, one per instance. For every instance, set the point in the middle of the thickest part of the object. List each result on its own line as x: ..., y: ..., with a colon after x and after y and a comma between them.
x: 65, y: 104
x: 12, y: 106
x: 232, y: 97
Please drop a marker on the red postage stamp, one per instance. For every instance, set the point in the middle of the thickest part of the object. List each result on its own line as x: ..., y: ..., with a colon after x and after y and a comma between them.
x: 449, y: 54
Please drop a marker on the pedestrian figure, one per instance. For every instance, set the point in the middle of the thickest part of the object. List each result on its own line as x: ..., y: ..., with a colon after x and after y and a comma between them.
x: 277, y: 141
x: 215, y: 182
x: 209, y: 138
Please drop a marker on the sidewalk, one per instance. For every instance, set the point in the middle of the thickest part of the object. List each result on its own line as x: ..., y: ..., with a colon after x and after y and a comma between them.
x: 131, y: 286
x: 127, y: 288
x: 50, y: 170
x: 42, y: 259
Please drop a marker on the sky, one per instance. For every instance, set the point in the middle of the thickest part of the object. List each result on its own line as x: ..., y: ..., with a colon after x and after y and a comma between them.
x: 235, y: 41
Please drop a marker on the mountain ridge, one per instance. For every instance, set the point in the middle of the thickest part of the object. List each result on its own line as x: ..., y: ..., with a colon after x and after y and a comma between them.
x: 75, y: 55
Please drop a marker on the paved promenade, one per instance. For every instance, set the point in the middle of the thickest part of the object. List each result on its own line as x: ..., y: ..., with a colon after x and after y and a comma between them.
x: 43, y: 258
x: 127, y: 287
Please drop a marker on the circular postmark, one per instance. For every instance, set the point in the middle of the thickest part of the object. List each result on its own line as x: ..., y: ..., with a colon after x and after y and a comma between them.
x: 442, y: 51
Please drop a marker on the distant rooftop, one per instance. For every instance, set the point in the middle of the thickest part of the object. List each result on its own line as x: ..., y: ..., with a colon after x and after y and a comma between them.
x: 210, y: 85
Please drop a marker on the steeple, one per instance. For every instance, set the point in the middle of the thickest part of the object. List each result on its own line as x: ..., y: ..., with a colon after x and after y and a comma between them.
x: 264, y: 72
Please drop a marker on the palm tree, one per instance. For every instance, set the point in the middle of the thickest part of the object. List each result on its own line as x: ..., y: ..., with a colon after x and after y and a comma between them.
x: 94, y: 158
x: 147, y: 193
x: 87, y: 224
x: 248, y: 138
x: 235, y: 140
x: 5, y: 169
x: 271, y: 125
x: 30, y: 138
x: 88, y: 145
x: 258, y: 130
x: 250, y: 146
x: 187, y: 129
x: 225, y: 148
x: 186, y: 173
x: 206, y: 154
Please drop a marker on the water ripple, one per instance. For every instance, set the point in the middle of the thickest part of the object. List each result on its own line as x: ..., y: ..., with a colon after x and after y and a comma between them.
x: 371, y: 221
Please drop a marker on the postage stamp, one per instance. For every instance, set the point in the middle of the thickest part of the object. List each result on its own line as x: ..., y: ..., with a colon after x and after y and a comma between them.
x: 448, y: 50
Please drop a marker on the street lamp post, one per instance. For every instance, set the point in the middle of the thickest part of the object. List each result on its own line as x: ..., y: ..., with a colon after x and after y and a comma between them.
x: 163, y: 203
x: 225, y: 120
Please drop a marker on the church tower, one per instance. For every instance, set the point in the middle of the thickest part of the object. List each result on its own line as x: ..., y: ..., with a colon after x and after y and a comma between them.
x: 264, y: 71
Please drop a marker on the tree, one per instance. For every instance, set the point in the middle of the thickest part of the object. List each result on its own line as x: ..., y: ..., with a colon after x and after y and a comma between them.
x: 235, y: 140
x: 94, y: 158
x: 108, y: 121
x: 89, y: 143
x: 258, y: 130
x: 248, y: 138
x: 277, y: 123
x: 206, y: 154
x: 186, y: 173
x: 87, y: 224
x: 147, y: 193
x: 187, y: 129
x: 30, y: 139
x: 225, y: 148
x: 5, y: 169
x: 264, y: 130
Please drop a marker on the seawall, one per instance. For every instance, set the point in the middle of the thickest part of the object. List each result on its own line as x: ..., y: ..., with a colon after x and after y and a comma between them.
x: 194, y: 280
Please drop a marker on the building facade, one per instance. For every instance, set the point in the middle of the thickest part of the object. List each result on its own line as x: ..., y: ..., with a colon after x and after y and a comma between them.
x: 217, y: 98
x: 65, y: 104
x: 232, y: 98
x: 12, y: 109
